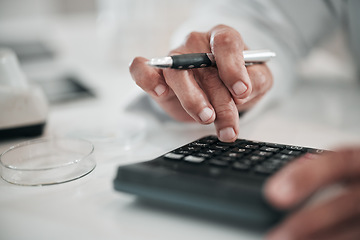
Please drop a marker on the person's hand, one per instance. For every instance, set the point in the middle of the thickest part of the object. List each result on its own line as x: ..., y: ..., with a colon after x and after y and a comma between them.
x: 335, y: 218
x: 214, y: 94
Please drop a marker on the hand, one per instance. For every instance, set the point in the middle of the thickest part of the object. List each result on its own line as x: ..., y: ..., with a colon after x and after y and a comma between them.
x: 214, y: 94
x: 337, y: 218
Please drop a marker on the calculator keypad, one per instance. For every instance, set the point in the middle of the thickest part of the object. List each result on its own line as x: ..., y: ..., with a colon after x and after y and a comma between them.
x: 256, y: 158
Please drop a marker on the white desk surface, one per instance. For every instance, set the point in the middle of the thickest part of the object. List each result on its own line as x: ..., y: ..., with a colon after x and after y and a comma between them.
x: 89, y: 208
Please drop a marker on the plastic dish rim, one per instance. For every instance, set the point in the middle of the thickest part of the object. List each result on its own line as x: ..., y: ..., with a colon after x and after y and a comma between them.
x: 42, y: 140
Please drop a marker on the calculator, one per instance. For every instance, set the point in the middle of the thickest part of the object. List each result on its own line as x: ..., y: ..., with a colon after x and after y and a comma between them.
x: 225, y: 179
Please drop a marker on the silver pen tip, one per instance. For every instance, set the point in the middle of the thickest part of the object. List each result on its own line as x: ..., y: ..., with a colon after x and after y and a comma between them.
x: 164, y: 62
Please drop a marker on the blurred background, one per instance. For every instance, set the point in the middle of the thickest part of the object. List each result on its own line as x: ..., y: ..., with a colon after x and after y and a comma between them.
x: 63, y: 39
x: 120, y: 25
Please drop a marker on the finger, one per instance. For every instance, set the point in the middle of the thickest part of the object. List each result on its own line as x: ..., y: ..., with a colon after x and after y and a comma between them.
x: 261, y: 81
x: 227, y: 46
x: 227, y: 115
x: 151, y: 80
x: 191, y: 96
x: 195, y: 42
x: 260, y: 77
x: 302, y: 177
x: 148, y: 78
x: 320, y: 217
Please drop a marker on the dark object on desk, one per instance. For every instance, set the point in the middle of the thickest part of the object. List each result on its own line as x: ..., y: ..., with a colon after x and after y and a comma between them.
x: 64, y: 89
x: 29, y: 50
x: 23, y: 131
x: 58, y: 88
x: 223, y: 178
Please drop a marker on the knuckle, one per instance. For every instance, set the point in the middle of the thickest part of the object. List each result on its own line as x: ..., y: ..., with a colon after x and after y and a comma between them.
x: 212, y: 87
x: 195, y: 42
x: 193, y: 37
x: 222, y: 38
x: 226, y: 36
x: 189, y: 103
x: 210, y: 81
x: 226, y: 110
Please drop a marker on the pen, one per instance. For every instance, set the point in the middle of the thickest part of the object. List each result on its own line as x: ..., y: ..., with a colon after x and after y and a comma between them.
x: 201, y: 60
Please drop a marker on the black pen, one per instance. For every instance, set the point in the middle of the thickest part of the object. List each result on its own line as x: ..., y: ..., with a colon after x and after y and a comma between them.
x: 201, y: 60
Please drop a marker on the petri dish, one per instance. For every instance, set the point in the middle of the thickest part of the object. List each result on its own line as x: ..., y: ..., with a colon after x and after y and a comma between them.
x: 47, y: 161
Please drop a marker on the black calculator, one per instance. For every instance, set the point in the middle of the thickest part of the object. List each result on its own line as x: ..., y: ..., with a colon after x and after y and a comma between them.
x: 225, y: 179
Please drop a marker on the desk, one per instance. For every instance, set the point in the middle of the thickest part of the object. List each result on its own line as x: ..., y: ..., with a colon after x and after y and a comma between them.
x: 89, y: 208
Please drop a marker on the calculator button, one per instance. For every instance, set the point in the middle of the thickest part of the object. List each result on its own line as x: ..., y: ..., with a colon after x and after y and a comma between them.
x: 284, y: 157
x: 256, y: 158
x: 182, y: 151
x: 224, y: 158
x: 275, y: 145
x: 201, y: 154
x: 194, y: 159
x: 263, y: 153
x: 173, y: 156
x: 263, y: 170
x: 198, y: 144
x: 269, y: 165
x: 291, y: 152
x: 211, y: 151
x: 191, y: 148
x: 315, y: 151
x: 246, y: 161
x: 208, y: 140
x: 241, y: 166
x: 240, y: 150
x: 276, y: 161
x: 227, y: 144
x: 218, y: 163
x: 269, y: 149
x: 233, y: 154
x: 250, y: 146
x: 219, y: 147
x: 295, y: 148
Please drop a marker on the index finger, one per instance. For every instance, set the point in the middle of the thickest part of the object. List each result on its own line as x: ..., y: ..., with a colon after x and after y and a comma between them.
x: 300, y: 179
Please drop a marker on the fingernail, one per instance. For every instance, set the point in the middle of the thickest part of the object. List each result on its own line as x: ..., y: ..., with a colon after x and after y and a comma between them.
x: 205, y: 114
x: 226, y: 134
x: 239, y: 88
x: 160, y: 89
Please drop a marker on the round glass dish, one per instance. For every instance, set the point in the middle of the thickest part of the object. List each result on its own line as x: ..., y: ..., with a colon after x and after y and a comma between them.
x: 47, y: 161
